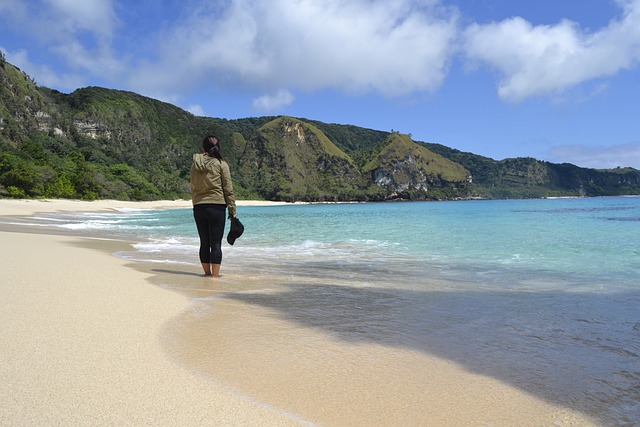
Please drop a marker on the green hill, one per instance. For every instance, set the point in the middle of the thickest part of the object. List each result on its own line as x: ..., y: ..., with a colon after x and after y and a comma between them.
x: 288, y: 159
x: 403, y: 166
x: 103, y: 143
x: 531, y: 178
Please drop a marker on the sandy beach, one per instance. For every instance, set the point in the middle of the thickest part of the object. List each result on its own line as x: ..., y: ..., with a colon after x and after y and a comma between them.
x: 84, y: 343
x: 30, y: 207
x: 80, y: 338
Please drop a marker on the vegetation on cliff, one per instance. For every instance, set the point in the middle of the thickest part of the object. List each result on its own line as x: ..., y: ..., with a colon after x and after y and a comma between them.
x: 526, y: 177
x: 102, y: 143
x: 405, y: 167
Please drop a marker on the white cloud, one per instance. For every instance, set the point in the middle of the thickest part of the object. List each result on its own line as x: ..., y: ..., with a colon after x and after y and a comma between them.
x: 270, y: 103
x: 98, y: 61
x: 547, y: 60
x: 94, y: 16
x: 389, y: 47
x: 600, y: 157
x: 77, y: 33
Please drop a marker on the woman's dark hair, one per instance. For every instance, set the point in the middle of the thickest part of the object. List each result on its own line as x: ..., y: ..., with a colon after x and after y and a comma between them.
x: 211, y: 146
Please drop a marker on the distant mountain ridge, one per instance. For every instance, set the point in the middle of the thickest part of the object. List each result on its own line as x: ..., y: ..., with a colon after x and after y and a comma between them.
x: 103, y: 143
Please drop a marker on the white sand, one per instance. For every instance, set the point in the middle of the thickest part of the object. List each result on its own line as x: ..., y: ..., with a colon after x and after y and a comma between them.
x: 29, y: 207
x: 79, y: 341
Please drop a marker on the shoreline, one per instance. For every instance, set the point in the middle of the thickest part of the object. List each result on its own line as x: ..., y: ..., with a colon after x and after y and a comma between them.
x: 11, y: 207
x: 92, y: 332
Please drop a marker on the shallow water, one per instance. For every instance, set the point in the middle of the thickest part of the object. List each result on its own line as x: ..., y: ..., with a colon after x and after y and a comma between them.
x: 541, y: 295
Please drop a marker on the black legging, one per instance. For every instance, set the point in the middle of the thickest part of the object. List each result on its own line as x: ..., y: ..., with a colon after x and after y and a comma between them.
x: 210, y: 220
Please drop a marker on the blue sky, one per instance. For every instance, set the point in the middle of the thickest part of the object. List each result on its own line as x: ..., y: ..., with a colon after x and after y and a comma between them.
x: 558, y: 80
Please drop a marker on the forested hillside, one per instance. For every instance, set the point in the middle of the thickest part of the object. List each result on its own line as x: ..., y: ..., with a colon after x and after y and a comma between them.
x: 102, y: 143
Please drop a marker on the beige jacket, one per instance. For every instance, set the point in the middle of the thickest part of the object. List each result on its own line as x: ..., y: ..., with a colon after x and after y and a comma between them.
x: 211, y: 182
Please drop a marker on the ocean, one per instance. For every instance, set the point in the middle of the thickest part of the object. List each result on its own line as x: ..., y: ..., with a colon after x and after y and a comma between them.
x: 542, y: 295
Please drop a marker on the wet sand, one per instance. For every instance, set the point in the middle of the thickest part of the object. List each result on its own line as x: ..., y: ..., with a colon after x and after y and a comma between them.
x: 304, y: 370
x: 89, y: 340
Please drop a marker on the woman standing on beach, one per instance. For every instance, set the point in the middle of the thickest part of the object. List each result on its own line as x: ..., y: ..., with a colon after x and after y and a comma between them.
x: 211, y: 194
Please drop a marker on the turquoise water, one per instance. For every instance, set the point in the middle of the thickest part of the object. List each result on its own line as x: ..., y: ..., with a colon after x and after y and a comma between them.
x: 541, y: 294
x: 563, y: 244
